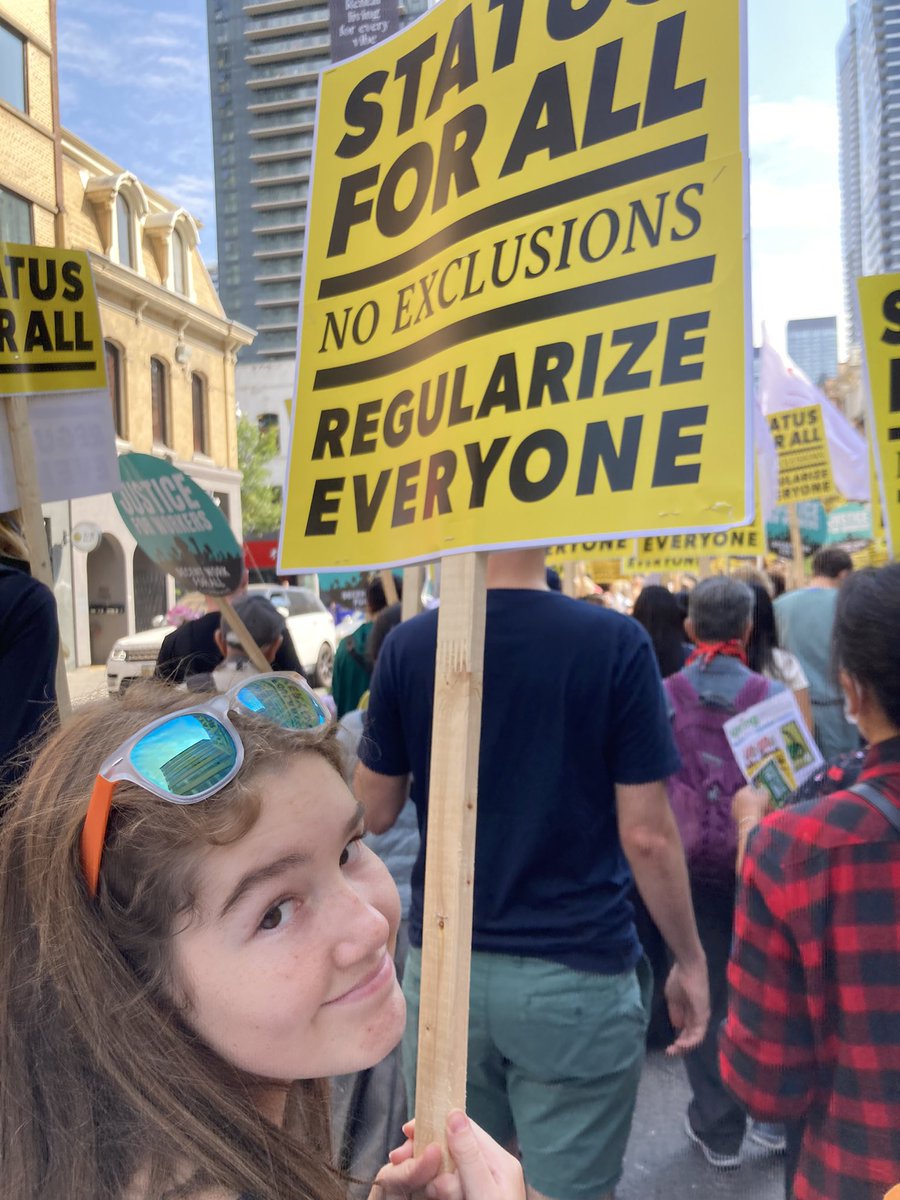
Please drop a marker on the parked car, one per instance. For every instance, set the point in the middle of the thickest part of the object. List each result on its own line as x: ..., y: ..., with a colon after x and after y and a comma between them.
x: 309, y: 622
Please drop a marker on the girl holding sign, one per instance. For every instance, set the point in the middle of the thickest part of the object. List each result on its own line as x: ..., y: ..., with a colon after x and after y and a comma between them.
x: 192, y: 937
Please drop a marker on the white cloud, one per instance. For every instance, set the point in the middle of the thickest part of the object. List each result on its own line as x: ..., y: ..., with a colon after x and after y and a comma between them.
x: 795, y: 212
x: 128, y: 60
x: 802, y: 124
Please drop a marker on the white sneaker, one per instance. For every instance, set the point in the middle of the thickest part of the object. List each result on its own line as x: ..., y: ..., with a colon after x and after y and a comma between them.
x: 770, y: 1137
x: 722, y: 1162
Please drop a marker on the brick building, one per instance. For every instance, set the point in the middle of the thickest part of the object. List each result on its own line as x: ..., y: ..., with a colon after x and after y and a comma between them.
x: 170, y: 348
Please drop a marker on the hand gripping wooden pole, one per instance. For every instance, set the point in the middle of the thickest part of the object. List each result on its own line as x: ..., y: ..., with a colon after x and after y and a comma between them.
x: 450, y: 848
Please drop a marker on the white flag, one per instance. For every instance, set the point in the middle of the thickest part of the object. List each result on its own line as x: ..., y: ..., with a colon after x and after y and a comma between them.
x: 783, y: 385
x: 766, y: 462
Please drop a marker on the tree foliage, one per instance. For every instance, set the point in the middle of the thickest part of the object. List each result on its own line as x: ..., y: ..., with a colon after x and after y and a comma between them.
x: 260, y: 501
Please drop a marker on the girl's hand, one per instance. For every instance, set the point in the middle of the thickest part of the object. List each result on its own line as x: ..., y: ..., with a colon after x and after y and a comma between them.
x: 484, y: 1171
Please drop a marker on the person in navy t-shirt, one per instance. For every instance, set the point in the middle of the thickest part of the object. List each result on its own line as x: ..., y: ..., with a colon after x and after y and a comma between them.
x: 575, y: 746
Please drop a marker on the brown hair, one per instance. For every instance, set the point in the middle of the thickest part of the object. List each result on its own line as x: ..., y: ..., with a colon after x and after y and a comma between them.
x: 102, y: 1081
x: 12, y: 543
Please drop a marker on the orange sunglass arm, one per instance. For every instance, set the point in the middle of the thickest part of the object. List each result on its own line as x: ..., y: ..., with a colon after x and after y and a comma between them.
x: 93, y: 833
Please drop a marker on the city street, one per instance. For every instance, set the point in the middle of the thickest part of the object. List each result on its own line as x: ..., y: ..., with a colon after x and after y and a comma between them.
x: 662, y: 1165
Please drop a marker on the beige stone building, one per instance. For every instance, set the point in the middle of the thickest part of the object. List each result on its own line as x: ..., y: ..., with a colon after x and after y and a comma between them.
x: 170, y: 348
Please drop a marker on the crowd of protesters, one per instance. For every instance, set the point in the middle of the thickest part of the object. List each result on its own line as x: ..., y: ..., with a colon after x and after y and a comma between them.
x: 211, y: 894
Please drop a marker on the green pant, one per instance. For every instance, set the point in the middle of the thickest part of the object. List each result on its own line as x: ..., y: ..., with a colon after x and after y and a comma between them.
x: 555, y: 1057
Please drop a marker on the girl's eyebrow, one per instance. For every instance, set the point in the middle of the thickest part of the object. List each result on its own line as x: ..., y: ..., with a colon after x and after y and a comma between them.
x: 279, y: 866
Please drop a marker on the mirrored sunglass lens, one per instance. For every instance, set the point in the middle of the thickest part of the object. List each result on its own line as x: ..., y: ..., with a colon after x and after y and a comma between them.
x: 185, y: 756
x: 284, y: 703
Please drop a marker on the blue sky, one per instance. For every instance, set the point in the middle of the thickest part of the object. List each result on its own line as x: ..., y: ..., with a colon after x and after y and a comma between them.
x: 134, y: 83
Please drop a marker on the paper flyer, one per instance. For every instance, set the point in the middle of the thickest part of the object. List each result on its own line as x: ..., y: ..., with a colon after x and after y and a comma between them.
x: 773, y: 746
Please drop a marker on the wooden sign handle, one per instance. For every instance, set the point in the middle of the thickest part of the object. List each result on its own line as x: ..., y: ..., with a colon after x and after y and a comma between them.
x: 390, y: 587
x: 413, y: 582
x: 256, y: 656
x: 796, y: 547
x: 450, y: 849
x: 25, y: 466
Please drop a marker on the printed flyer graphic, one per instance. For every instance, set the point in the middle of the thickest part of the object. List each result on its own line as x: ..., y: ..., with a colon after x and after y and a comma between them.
x: 773, y: 747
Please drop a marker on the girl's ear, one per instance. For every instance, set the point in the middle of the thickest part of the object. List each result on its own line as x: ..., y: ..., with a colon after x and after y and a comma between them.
x: 220, y: 642
x: 853, y: 695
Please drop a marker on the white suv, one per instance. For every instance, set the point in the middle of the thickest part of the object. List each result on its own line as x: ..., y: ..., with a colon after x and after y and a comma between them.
x: 309, y: 623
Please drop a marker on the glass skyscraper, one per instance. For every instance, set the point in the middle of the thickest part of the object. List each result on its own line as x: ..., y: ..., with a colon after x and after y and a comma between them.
x: 813, y: 345
x: 868, y: 63
x: 265, y: 57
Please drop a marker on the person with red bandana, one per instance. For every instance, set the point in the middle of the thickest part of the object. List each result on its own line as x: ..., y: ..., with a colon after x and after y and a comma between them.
x: 714, y: 685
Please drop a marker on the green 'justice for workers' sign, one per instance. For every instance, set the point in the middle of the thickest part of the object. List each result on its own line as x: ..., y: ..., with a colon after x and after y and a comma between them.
x: 178, y: 525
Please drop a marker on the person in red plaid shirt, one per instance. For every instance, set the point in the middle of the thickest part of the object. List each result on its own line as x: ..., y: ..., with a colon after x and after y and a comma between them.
x: 812, y: 1035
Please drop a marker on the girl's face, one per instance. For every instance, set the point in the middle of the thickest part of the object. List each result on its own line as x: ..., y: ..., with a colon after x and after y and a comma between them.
x: 286, y: 969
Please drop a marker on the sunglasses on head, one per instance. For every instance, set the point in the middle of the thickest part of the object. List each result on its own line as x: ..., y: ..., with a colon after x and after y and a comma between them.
x: 191, y: 754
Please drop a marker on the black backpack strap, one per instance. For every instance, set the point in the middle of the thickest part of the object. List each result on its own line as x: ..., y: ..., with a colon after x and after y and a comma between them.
x: 878, y: 801
x: 356, y: 654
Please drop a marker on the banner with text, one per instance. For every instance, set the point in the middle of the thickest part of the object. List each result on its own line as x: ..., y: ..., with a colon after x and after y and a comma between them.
x: 676, y: 563
x: 804, y: 460
x: 879, y: 303
x: 51, y: 353
x: 611, y: 549
x: 524, y: 305
x: 50, y: 338
x: 358, y: 25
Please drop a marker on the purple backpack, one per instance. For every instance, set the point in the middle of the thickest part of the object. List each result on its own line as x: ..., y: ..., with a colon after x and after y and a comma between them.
x: 702, y: 790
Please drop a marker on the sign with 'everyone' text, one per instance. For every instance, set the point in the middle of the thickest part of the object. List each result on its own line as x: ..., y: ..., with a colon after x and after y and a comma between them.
x: 523, y: 312
x: 804, y: 460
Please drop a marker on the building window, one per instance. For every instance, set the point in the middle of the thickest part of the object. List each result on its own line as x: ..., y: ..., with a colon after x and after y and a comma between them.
x: 159, y: 380
x: 179, y: 273
x: 12, y: 68
x: 115, y: 384
x: 268, y: 423
x: 15, y: 218
x: 125, y: 231
x: 198, y: 408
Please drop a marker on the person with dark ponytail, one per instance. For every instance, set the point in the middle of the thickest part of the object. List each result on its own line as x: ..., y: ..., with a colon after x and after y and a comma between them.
x: 661, y: 615
x: 812, y: 1036
x: 765, y: 654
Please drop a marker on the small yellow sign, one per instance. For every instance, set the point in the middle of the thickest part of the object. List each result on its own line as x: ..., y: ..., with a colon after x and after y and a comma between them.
x: 804, y: 461
x: 50, y: 335
x: 606, y: 570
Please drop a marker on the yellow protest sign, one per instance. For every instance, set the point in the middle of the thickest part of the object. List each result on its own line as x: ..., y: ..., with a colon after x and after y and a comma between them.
x: 524, y: 303
x: 745, y: 541
x: 613, y: 548
x: 804, y: 462
x: 606, y: 570
x: 879, y: 302
x: 50, y: 336
x: 670, y: 564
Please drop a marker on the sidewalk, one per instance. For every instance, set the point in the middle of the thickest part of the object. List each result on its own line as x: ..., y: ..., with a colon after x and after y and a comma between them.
x: 87, y: 683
